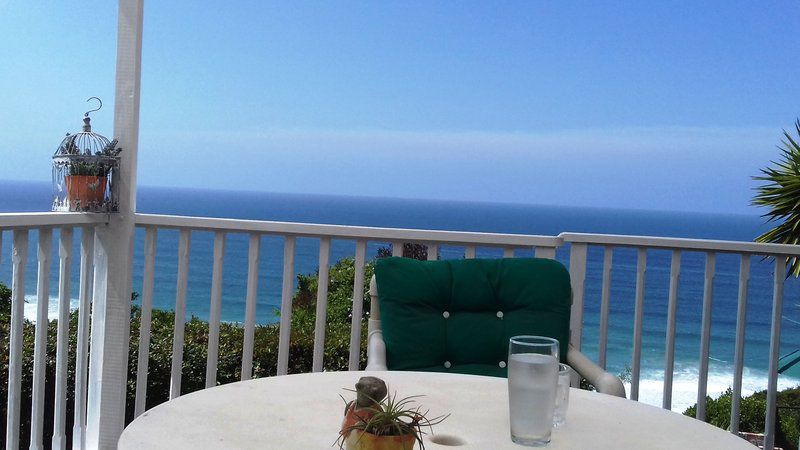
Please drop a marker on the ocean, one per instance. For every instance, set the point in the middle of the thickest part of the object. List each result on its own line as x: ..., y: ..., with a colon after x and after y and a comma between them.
x: 485, y: 217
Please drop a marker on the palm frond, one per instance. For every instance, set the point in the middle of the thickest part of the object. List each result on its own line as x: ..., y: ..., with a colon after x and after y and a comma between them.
x: 780, y: 194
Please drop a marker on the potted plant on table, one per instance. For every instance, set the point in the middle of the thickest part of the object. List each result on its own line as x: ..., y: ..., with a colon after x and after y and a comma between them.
x: 377, y: 420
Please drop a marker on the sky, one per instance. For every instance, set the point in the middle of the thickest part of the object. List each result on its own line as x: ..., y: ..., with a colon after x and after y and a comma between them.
x: 640, y: 105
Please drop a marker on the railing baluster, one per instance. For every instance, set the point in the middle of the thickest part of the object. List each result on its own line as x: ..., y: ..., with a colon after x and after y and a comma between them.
x: 638, y: 322
x: 62, y: 338
x: 774, y: 351
x: 322, y: 304
x: 577, y: 271
x: 397, y: 248
x: 40, y: 345
x: 250, y: 308
x: 176, y: 371
x: 672, y: 307
x: 19, y: 260
x: 433, y: 252
x: 605, y: 300
x: 738, y: 358
x: 469, y: 252
x: 286, y: 305
x: 146, y: 318
x: 547, y: 252
x: 705, y: 335
x: 216, y: 309
x: 508, y: 252
x: 82, y: 348
x: 358, y: 305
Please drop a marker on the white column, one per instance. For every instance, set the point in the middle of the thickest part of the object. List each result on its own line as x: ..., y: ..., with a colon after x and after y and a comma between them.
x: 108, y: 360
x: 40, y: 346
x: 19, y: 261
x: 577, y: 273
x: 82, y: 347
x: 62, y: 346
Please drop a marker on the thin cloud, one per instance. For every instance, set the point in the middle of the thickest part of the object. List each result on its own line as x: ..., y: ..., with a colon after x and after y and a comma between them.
x: 616, y: 141
x: 660, y: 168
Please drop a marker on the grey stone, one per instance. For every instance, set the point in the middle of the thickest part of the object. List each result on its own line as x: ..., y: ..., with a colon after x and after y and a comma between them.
x: 370, y: 391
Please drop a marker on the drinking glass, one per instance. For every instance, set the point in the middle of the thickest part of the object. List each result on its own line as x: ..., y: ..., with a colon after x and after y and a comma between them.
x: 532, y: 382
x: 562, y: 395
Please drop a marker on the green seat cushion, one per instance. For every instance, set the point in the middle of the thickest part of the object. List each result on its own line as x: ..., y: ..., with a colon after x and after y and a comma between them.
x: 458, y: 315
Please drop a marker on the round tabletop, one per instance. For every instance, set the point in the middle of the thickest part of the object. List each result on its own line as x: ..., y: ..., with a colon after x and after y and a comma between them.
x: 305, y: 412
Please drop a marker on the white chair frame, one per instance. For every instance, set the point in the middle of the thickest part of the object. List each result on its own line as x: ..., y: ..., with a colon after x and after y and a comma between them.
x: 605, y: 382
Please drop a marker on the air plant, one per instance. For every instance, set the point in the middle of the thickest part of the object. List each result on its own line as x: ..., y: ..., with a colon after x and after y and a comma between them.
x: 393, y: 417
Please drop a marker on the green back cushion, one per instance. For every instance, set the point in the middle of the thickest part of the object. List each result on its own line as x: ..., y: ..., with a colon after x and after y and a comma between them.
x: 458, y: 315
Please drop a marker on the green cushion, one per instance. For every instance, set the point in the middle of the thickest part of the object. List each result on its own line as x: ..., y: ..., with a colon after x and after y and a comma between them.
x: 461, y: 313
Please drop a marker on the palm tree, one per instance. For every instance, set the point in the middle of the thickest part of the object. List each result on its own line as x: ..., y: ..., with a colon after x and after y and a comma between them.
x: 781, y: 194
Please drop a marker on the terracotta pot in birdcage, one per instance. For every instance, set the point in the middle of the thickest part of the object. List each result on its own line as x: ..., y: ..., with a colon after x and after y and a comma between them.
x: 86, y: 189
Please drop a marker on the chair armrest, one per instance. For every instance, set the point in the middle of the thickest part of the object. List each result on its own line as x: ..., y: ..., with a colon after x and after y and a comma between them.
x: 603, y: 381
x: 376, y: 349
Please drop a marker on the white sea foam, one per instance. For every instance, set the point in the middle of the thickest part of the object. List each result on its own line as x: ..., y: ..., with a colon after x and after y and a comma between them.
x: 685, y: 382
x: 52, y: 307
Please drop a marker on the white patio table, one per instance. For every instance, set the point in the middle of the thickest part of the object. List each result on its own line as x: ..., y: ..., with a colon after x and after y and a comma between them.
x: 305, y: 412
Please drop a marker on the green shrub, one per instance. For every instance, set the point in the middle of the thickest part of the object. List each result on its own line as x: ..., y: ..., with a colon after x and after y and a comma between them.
x: 752, y: 412
x: 28, y: 339
x: 5, y: 300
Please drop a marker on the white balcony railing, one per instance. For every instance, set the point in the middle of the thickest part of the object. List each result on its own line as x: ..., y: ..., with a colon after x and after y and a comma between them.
x: 581, y: 251
x: 44, y: 224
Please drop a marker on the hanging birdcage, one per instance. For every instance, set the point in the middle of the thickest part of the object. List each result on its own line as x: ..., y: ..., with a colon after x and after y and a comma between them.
x: 84, y: 167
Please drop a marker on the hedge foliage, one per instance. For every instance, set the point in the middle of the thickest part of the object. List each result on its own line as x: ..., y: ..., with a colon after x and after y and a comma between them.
x: 752, y: 412
x: 265, y: 355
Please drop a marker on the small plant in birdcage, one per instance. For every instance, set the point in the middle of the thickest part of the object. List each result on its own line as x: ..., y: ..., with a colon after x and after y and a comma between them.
x: 84, y: 167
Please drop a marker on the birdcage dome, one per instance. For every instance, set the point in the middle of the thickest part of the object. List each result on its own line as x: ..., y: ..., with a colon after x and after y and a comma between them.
x: 84, y: 166
x: 84, y: 143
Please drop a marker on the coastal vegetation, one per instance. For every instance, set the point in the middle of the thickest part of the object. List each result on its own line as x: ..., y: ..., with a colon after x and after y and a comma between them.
x: 780, y: 194
x: 751, y: 418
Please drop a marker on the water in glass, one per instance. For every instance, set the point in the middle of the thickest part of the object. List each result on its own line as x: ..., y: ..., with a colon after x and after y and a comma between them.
x: 532, y: 380
x: 562, y: 395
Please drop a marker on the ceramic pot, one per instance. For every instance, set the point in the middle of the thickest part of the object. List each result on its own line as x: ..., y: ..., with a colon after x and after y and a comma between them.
x: 84, y: 190
x: 358, y: 440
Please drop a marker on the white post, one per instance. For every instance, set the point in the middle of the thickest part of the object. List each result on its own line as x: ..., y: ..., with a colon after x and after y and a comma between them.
x: 577, y: 273
x: 40, y: 347
x: 774, y: 351
x: 19, y: 261
x: 62, y: 347
x: 108, y: 360
x: 82, y: 347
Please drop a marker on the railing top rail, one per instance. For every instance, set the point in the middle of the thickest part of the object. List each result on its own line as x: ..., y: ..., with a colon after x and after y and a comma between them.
x: 56, y: 219
x: 682, y: 244
x: 49, y: 219
x: 346, y: 231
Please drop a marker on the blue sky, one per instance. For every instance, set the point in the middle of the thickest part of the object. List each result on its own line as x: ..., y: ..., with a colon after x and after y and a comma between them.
x: 648, y: 105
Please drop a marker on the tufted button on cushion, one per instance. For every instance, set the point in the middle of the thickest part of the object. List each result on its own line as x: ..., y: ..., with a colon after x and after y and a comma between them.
x: 500, y: 314
x: 445, y: 314
x: 447, y: 364
x: 502, y: 364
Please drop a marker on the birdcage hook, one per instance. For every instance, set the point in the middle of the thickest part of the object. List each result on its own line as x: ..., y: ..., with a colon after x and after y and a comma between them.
x: 86, y: 114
